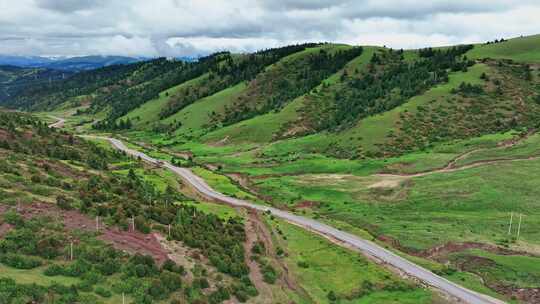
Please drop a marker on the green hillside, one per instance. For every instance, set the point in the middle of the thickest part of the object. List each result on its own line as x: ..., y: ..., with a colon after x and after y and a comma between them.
x: 521, y: 49
x: 148, y: 113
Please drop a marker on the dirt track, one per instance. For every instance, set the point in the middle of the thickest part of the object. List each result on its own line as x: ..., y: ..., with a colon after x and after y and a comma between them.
x: 453, y: 167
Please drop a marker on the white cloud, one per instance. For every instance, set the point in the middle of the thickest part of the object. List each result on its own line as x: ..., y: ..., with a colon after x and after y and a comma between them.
x: 191, y: 27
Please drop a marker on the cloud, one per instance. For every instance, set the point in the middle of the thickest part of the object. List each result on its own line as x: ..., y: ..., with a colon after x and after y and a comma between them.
x: 198, y: 27
x: 68, y: 6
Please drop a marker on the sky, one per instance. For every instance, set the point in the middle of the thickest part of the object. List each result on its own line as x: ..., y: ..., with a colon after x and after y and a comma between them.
x: 152, y: 28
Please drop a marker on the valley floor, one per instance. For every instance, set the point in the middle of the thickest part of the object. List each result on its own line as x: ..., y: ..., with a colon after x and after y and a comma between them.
x: 437, y: 201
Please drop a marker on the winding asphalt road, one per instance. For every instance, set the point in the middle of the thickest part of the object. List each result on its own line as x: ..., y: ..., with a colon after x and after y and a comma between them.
x: 365, y: 246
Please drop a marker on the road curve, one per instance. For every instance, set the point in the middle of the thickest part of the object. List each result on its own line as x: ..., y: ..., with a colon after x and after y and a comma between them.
x: 59, y: 122
x: 365, y: 246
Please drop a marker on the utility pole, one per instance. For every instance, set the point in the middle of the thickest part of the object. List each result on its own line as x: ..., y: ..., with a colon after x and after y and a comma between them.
x: 519, y: 226
x: 97, y: 222
x: 133, y: 224
x: 510, y: 227
x: 71, y: 251
x: 169, y: 230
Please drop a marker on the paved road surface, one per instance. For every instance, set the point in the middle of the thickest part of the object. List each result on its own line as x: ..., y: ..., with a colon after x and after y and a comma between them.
x: 354, y: 241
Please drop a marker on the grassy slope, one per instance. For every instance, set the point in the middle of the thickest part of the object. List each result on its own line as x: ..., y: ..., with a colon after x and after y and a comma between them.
x: 522, y: 49
x: 262, y: 128
x: 530, y: 147
x: 332, y: 268
x: 258, y: 129
x: 148, y: 113
x: 373, y: 130
x: 195, y: 116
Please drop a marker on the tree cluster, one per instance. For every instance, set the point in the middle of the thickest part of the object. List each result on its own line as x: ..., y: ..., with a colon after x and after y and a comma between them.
x: 274, y: 88
x: 230, y: 71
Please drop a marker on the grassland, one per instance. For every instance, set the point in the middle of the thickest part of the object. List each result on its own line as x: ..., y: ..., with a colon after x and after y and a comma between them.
x: 322, y: 267
x: 516, y: 270
x: 426, y: 211
x: 222, y: 184
x: 197, y: 116
x: 36, y: 276
x: 148, y: 113
x: 367, y: 134
x: 275, y: 123
x: 521, y: 49
x: 222, y: 211
x: 373, y: 130
x: 250, y: 130
x: 528, y: 148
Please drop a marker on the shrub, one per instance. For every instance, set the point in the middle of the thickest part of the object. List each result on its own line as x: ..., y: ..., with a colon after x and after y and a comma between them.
x: 269, y: 274
x: 172, y: 267
x: 53, y: 270
x: 170, y: 280
x: 331, y: 296
x: 13, y: 218
x: 63, y: 202
x: 303, y: 264
x: 258, y: 248
x: 77, y: 269
x: 20, y: 261
x: 103, y: 292
x: 201, y: 283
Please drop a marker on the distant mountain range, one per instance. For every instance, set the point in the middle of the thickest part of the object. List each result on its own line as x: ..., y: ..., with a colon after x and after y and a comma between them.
x: 67, y: 63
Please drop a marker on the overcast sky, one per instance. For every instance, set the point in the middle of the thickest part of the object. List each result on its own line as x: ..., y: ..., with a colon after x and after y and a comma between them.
x: 190, y: 28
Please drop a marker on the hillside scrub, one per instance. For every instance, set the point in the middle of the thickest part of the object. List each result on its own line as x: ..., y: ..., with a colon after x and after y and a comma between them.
x: 385, y: 83
x: 286, y: 80
x: 229, y: 72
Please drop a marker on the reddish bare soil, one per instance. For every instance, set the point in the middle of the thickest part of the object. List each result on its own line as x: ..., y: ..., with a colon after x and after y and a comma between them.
x: 4, y: 135
x: 255, y: 274
x: 256, y: 230
x: 472, y: 264
x: 524, y: 295
x: 451, y: 247
x: 130, y: 241
x: 306, y: 204
x: 5, y: 228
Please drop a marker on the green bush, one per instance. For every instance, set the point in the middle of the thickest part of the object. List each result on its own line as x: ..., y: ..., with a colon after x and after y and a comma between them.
x: 302, y: 264
x: 269, y: 274
x: 331, y: 296
x: 13, y: 218
x: 20, y: 261
x: 103, y: 292
x: 54, y: 270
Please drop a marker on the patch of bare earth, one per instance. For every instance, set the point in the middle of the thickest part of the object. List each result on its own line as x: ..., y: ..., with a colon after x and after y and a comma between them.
x: 472, y: 263
x: 387, y: 182
x: 5, y: 228
x: 256, y: 230
x: 443, y: 251
x: 306, y: 204
x: 524, y: 295
x: 4, y: 135
x: 255, y: 275
x: 130, y: 241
